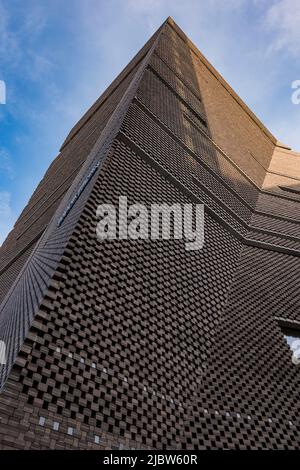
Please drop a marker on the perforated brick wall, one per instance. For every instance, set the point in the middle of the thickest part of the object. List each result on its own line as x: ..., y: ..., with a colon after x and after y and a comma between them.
x: 140, y: 343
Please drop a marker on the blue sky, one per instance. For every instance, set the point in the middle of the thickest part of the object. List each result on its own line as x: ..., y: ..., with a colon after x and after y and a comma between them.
x: 57, y: 56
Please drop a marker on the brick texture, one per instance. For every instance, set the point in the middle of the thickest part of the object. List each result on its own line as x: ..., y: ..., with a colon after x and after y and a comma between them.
x: 139, y: 343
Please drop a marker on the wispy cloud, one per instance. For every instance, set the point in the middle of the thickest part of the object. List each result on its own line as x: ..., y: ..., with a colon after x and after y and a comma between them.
x: 19, y: 29
x: 6, y: 164
x: 283, y: 19
x: 8, y: 41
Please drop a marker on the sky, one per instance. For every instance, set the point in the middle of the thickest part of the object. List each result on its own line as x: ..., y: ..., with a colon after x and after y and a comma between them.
x: 58, y: 56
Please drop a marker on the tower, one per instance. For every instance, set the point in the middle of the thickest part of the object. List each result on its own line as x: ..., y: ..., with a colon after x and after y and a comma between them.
x: 140, y: 343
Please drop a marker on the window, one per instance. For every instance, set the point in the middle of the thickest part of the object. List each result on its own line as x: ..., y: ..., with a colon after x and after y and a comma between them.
x: 292, y: 337
x: 70, y: 431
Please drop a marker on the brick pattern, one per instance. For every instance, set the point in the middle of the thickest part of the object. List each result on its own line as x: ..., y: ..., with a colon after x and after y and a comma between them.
x: 57, y: 180
x: 142, y: 344
x: 133, y: 321
x: 248, y: 397
x: 19, y: 306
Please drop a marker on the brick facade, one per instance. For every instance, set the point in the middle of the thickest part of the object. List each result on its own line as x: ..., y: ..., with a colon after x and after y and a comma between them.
x: 140, y: 343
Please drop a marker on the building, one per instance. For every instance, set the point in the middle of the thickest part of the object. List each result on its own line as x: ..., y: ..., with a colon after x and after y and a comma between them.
x: 138, y: 343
